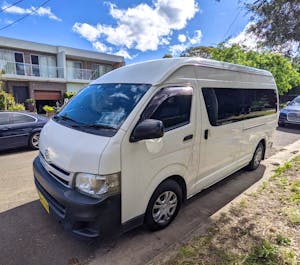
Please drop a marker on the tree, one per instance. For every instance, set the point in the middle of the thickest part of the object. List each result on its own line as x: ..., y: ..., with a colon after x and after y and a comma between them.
x: 200, y: 51
x: 284, y: 71
x: 276, y: 22
x: 168, y: 55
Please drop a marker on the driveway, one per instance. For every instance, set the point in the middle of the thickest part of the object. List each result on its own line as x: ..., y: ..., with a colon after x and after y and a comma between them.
x: 29, y: 236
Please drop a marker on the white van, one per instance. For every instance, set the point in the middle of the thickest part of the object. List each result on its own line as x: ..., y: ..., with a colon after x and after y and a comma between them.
x: 138, y: 141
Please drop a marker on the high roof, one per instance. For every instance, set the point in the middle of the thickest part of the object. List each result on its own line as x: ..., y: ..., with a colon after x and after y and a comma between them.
x: 156, y: 71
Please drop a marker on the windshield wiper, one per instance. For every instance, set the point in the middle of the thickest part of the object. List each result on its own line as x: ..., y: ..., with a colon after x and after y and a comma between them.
x: 96, y: 126
x: 65, y: 118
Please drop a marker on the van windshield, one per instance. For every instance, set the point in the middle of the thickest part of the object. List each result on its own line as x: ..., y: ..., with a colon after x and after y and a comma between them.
x: 101, y: 107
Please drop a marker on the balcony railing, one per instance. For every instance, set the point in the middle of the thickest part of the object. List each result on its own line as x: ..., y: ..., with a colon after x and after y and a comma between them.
x: 23, y: 69
x: 82, y: 74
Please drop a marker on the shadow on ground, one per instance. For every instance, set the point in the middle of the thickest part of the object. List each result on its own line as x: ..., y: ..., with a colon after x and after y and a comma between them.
x: 15, y: 151
x: 29, y: 236
x: 290, y: 128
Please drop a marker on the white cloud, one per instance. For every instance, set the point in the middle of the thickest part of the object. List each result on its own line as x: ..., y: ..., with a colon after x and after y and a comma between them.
x: 142, y: 27
x: 87, y: 31
x: 124, y: 53
x: 246, y: 39
x: 252, y: 42
x: 41, y: 11
x: 101, y: 47
x: 182, y: 38
x: 177, y: 49
x: 196, y: 39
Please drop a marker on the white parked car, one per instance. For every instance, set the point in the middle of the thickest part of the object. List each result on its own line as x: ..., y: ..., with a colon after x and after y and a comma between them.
x: 138, y: 141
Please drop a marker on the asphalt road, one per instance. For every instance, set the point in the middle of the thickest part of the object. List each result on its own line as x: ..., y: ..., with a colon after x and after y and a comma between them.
x: 29, y: 236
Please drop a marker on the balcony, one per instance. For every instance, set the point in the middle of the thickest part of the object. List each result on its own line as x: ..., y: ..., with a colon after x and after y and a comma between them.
x: 82, y: 74
x: 32, y: 71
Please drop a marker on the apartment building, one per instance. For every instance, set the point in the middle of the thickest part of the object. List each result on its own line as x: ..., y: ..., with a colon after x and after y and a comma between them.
x: 44, y: 72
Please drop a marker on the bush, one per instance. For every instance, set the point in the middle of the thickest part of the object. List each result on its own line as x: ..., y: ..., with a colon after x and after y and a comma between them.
x: 17, y: 107
x: 69, y: 95
x: 48, y: 108
x: 7, y: 102
x: 30, y: 101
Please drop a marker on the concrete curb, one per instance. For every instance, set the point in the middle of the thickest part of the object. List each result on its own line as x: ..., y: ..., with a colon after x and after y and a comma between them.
x: 286, y: 154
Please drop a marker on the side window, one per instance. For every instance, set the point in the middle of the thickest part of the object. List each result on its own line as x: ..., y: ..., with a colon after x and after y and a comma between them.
x: 227, y: 105
x: 224, y: 105
x: 4, y: 119
x: 20, y: 118
x: 172, y: 106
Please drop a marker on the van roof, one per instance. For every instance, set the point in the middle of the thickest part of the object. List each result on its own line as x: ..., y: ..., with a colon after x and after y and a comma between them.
x: 156, y: 71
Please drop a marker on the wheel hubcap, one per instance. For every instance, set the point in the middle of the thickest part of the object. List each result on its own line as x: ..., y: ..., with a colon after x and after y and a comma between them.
x: 164, y: 207
x: 35, y: 140
x: 258, y: 156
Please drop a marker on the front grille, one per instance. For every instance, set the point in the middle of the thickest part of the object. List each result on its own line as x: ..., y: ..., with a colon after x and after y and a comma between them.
x: 62, y: 176
x: 293, y: 116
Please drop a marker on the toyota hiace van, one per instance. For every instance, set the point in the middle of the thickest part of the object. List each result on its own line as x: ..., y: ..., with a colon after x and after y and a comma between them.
x: 137, y: 142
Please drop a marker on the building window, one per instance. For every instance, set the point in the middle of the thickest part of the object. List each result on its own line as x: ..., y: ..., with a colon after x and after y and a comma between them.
x: 75, y: 70
x: 99, y: 70
x: 20, y: 67
x: 35, y: 65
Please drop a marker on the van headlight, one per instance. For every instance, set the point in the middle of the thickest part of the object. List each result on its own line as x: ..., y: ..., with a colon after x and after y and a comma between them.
x: 97, y: 185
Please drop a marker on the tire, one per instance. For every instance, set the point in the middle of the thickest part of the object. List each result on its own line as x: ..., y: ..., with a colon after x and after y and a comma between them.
x: 281, y: 124
x: 34, y: 140
x: 167, y: 200
x: 257, y: 157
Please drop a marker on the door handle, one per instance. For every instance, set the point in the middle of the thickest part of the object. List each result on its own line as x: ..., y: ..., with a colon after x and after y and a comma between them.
x: 206, y: 134
x: 188, y: 137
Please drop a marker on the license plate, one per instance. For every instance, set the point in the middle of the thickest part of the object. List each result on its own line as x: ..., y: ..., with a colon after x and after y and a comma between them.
x: 44, y: 202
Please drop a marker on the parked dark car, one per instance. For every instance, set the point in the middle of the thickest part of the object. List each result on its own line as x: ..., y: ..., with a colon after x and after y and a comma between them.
x: 19, y: 129
x: 291, y: 113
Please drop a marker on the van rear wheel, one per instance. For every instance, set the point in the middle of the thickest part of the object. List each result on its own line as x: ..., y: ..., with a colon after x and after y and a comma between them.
x: 257, y: 157
x: 163, y: 205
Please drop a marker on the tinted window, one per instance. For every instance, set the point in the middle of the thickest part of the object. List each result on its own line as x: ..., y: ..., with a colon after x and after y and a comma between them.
x: 172, y: 106
x: 20, y: 118
x: 4, y: 118
x: 226, y: 105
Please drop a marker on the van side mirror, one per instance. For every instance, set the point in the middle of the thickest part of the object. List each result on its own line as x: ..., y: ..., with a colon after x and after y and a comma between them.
x: 147, y: 129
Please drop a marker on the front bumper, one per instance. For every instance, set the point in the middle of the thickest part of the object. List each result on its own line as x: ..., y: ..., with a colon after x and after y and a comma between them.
x: 83, y: 215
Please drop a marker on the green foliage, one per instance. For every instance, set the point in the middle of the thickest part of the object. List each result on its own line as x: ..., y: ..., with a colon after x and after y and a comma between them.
x: 265, y: 253
x: 69, y: 94
x: 7, y: 102
x: 30, y: 101
x: 283, y: 241
x: 284, y: 71
x: 17, y: 107
x: 48, y: 108
x: 200, y: 51
x: 276, y: 22
x: 168, y: 55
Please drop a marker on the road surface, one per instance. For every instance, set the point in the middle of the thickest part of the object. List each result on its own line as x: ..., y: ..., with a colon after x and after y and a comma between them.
x: 29, y: 236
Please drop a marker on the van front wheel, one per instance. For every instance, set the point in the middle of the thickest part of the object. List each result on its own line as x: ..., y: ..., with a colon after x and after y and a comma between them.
x: 257, y: 157
x: 163, y: 205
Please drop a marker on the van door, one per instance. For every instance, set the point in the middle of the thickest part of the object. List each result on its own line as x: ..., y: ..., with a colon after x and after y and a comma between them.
x: 145, y: 164
x: 221, y: 135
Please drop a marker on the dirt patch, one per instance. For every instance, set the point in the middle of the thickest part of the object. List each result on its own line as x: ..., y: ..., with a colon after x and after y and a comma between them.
x: 262, y: 228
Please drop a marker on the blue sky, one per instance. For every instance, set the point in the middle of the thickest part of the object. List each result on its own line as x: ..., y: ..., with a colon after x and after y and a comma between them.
x: 139, y: 30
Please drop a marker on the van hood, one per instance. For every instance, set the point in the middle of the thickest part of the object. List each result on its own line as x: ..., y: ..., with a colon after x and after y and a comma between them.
x: 70, y: 149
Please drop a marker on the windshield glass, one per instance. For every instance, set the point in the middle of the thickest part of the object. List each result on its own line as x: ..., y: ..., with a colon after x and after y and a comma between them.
x: 102, y: 106
x: 296, y: 101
